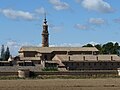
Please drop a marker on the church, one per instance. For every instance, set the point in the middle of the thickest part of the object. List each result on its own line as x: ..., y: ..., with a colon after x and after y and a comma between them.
x: 66, y: 58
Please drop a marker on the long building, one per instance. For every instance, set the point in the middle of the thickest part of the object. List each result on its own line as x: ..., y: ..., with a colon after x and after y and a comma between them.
x: 66, y: 58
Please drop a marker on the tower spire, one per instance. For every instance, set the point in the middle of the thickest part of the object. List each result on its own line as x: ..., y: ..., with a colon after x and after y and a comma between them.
x: 45, y: 21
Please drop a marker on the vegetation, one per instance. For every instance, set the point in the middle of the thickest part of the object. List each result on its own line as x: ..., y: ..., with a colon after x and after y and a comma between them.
x: 50, y: 69
x: 7, y: 53
x: 76, y: 76
x: 9, y: 77
x: 108, y: 48
x: 4, y: 54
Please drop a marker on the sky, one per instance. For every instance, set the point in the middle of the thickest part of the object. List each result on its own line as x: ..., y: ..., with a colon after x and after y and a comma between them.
x: 71, y: 22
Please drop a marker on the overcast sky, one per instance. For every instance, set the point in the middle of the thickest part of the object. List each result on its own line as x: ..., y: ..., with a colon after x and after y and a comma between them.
x: 71, y: 22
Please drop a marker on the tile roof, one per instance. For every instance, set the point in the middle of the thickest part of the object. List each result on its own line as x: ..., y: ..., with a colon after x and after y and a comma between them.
x: 87, y: 57
x: 29, y: 58
x: 51, y: 49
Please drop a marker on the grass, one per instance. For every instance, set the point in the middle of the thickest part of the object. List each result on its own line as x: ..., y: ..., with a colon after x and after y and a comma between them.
x: 10, y: 78
x: 50, y: 69
x: 72, y: 77
x: 34, y: 76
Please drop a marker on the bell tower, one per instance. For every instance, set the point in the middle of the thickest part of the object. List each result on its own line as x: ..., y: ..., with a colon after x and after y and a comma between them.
x: 45, y: 34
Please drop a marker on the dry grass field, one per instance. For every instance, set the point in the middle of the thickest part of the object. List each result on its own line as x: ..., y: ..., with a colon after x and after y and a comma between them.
x: 61, y: 84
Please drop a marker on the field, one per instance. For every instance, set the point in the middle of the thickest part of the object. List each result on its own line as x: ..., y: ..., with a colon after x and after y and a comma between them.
x: 61, y: 84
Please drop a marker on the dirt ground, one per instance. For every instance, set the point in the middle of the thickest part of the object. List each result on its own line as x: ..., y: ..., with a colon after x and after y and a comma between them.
x: 61, y: 84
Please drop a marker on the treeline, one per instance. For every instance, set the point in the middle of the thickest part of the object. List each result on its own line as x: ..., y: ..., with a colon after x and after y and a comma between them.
x: 108, y: 48
x: 5, y: 54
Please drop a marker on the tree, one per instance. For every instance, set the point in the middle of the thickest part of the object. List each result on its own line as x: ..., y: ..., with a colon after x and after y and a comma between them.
x: 7, y: 53
x: 88, y: 45
x: 99, y: 47
x: 116, y: 48
x: 2, y: 52
x: 108, y: 48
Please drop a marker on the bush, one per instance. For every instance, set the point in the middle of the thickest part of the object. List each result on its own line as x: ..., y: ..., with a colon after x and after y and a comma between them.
x: 50, y: 69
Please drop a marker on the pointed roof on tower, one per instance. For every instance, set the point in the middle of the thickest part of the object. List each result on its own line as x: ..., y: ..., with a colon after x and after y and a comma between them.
x: 45, y: 20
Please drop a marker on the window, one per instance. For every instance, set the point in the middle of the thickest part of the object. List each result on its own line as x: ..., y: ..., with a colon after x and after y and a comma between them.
x: 111, y: 58
x: 118, y: 64
x: 111, y: 63
x: 51, y: 58
x: 72, y: 64
x: 106, y: 63
x: 45, y: 57
x: 97, y: 57
x: 100, y: 64
x: 83, y: 64
x: 83, y: 57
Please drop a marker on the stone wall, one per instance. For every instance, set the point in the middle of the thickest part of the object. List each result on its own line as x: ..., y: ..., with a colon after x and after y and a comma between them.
x: 8, y: 73
x: 36, y: 68
x: 74, y: 73
x: 84, y: 72
x: 71, y: 65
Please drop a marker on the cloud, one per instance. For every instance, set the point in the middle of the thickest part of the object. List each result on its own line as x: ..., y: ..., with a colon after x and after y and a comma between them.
x: 91, y: 24
x: 58, y: 5
x: 14, y: 46
x: 56, y: 28
x: 82, y: 27
x: 97, y: 21
x: 14, y: 14
x: 93, y: 43
x: 66, y: 45
x: 97, y: 5
x: 117, y: 20
x: 40, y: 10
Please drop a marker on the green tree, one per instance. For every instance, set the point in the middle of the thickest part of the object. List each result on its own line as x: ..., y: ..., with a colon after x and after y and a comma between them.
x: 108, y: 48
x: 2, y: 52
x: 88, y: 45
x: 7, y: 53
x: 99, y: 47
x: 116, y: 48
